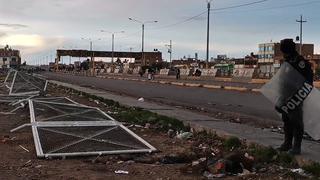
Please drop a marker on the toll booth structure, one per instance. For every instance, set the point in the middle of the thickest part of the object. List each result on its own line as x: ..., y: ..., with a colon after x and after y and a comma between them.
x: 146, y: 58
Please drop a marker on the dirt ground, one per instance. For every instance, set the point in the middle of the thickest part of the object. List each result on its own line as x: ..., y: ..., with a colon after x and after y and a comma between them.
x: 18, y: 157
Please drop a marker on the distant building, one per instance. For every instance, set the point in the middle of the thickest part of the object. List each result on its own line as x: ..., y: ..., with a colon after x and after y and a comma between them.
x: 270, y: 57
x: 251, y: 61
x: 9, y: 57
x: 315, y: 62
x: 221, y: 58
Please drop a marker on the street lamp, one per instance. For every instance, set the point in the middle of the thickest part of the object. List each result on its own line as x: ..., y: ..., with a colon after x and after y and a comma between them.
x: 113, y: 33
x: 142, y: 46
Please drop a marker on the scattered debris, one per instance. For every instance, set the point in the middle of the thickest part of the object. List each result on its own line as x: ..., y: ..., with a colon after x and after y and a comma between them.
x: 38, y: 166
x: 147, y: 125
x: 27, y: 164
x: 145, y: 160
x: 130, y: 162
x: 96, y: 101
x: 6, y: 138
x: 24, y: 148
x: 248, y: 156
x: 300, y: 172
x: 211, y: 176
x: 237, y: 120
x: 171, y: 133
x: 245, y: 173
x: 217, y: 168
x: 176, y: 158
x: 112, y: 112
x: 196, y: 167
x: 184, y: 135
x: 212, y: 104
x: 121, y: 172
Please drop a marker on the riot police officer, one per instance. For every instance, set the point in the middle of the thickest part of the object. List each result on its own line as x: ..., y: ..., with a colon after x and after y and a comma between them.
x: 293, y: 120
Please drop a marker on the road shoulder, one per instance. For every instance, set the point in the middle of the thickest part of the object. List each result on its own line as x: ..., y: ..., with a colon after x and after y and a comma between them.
x: 199, y: 121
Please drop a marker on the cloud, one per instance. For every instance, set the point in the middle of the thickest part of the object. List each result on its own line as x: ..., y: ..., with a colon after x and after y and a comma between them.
x: 32, y: 40
x: 2, y: 34
x: 14, y: 26
x: 31, y: 44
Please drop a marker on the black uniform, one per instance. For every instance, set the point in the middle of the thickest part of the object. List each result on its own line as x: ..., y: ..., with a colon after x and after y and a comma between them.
x: 178, y: 73
x: 293, y: 121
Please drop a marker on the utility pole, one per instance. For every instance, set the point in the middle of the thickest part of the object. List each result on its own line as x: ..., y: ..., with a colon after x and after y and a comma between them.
x: 142, y: 49
x: 170, y: 51
x: 92, y: 57
x: 208, y: 34
x: 112, y: 45
x: 112, y: 49
x: 301, y: 23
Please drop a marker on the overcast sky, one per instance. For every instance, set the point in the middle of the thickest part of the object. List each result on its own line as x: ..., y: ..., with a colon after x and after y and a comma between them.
x: 38, y: 27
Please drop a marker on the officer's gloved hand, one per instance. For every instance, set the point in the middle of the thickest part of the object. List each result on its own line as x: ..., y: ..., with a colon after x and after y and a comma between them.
x: 279, y: 110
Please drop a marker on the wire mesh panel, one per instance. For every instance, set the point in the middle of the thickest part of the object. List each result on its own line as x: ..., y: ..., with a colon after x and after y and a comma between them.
x: 4, y: 72
x: 12, y: 99
x: 19, y: 103
x: 74, y: 130
x: 27, y: 84
x: 7, y: 75
x: 52, y: 111
x: 73, y: 141
x: 13, y: 103
x: 9, y: 79
x: 64, y: 100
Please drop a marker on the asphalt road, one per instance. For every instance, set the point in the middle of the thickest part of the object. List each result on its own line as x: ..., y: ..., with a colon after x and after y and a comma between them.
x: 200, y: 81
x: 246, y: 103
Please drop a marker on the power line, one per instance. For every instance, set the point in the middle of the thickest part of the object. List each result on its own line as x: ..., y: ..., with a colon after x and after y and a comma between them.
x: 241, y: 5
x: 204, y: 12
x: 181, y: 22
x: 292, y: 5
x: 281, y: 7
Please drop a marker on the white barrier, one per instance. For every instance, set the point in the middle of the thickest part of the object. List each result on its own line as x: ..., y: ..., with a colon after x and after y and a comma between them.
x: 109, y: 70
x: 184, y: 72
x: 164, y: 72
x: 209, y: 72
x: 136, y: 70
x: 116, y: 71
x: 243, y: 73
x: 126, y: 70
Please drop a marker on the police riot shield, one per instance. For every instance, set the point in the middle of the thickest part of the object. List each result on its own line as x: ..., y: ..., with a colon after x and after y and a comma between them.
x: 288, y: 90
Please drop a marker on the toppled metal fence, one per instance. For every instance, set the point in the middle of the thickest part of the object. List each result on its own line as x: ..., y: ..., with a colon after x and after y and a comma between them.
x: 76, y: 130
x: 19, y: 83
x: 63, y: 127
x: 14, y: 103
x: 9, y: 79
x: 25, y: 84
